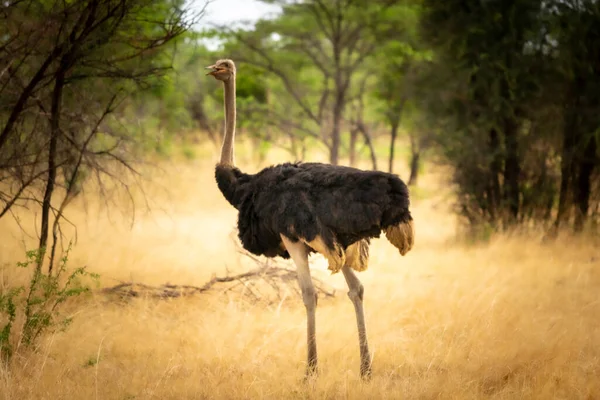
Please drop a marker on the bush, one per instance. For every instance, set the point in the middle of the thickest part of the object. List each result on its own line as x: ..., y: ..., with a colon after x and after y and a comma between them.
x: 28, y: 312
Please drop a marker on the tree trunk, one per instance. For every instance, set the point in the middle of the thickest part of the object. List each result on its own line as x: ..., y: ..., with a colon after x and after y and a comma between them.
x: 353, y: 137
x: 369, y: 143
x: 567, y: 172
x: 335, y: 131
x: 512, y: 168
x: 414, y: 167
x: 415, y: 151
x: 55, y: 112
x: 394, y: 120
x: 294, y: 146
x: 393, y: 135
x: 199, y: 115
x: 302, y: 149
x: 495, y: 167
x: 565, y: 181
x: 586, y: 166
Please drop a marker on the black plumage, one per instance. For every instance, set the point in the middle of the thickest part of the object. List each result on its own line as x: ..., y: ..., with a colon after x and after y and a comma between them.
x: 304, y: 200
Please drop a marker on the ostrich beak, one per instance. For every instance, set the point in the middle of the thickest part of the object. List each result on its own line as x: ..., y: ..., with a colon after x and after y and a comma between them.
x: 213, y: 69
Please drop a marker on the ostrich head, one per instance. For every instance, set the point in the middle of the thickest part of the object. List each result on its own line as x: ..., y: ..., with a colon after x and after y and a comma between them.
x: 222, y: 70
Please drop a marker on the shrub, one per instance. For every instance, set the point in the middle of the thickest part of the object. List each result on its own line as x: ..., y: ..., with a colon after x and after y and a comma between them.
x: 30, y: 311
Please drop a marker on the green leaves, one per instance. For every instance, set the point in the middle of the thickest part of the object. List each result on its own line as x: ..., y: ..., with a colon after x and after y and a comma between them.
x: 39, y: 304
x: 511, y: 78
x: 9, y: 309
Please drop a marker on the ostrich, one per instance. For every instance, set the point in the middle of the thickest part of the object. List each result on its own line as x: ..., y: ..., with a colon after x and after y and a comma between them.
x: 294, y: 209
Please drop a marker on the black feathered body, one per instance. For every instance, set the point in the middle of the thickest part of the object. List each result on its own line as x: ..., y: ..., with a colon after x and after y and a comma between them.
x: 340, y: 204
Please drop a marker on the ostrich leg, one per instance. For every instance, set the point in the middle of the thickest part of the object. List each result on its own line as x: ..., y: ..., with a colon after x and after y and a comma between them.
x: 356, y: 296
x: 299, y: 254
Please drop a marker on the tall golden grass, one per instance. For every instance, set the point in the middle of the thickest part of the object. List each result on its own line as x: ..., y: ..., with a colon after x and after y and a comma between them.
x: 514, y: 318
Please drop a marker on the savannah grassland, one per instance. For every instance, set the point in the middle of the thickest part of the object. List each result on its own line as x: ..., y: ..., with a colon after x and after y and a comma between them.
x: 516, y: 317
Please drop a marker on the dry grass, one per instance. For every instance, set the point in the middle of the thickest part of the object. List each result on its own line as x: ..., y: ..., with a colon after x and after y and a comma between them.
x: 515, y: 318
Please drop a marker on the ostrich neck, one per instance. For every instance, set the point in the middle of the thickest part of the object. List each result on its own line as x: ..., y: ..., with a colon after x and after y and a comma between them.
x: 227, y: 149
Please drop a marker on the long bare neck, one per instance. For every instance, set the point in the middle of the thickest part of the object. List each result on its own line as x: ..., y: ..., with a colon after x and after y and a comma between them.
x: 227, y: 149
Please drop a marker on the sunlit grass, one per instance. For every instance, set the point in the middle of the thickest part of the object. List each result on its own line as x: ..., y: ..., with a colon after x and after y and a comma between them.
x: 512, y: 318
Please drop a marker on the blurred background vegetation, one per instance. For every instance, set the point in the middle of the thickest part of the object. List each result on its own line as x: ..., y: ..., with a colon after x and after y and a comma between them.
x: 505, y: 94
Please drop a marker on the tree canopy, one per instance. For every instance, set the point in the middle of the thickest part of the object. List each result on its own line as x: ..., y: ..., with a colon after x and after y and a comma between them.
x: 506, y: 94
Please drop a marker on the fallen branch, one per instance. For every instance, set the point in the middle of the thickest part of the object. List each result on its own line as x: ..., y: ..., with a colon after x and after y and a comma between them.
x: 276, y: 277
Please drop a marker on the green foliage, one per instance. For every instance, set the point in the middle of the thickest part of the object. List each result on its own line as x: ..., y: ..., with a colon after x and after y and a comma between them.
x: 38, y: 306
x: 488, y: 87
x: 500, y: 99
x: 313, y: 66
x: 9, y: 309
x: 251, y: 84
